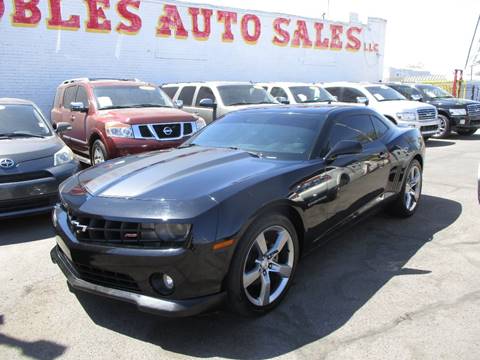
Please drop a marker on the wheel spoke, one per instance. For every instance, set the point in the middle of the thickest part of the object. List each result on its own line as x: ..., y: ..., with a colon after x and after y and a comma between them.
x: 408, y: 200
x: 283, y: 270
x: 280, y: 242
x: 250, y: 277
x: 261, y: 243
x: 264, y: 297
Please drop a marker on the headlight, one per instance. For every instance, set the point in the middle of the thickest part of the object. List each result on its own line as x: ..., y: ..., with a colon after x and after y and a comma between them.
x: 201, y: 123
x: 407, y: 116
x: 119, y: 130
x: 166, y: 232
x: 63, y: 156
x: 458, y: 112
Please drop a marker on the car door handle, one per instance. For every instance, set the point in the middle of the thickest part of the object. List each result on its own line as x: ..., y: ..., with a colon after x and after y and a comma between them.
x: 72, y: 117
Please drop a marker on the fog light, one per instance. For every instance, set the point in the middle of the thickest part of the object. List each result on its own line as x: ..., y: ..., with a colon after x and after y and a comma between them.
x: 462, y: 122
x: 162, y: 284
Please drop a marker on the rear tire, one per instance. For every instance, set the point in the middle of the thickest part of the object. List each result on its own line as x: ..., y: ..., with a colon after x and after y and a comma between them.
x: 407, y: 201
x: 444, y: 128
x: 259, y: 276
x: 466, y: 132
x: 98, y: 153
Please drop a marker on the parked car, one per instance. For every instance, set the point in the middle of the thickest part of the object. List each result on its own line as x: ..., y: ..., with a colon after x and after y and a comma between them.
x: 33, y: 159
x: 390, y: 103
x: 227, y: 215
x: 212, y: 100
x: 459, y: 115
x: 298, y: 93
x: 113, y: 117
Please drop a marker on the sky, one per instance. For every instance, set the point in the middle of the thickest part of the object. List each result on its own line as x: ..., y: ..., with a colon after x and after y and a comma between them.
x: 434, y: 35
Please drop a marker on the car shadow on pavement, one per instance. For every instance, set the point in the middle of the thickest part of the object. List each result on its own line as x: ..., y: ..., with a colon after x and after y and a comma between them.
x: 41, y: 349
x: 455, y: 136
x: 26, y: 229
x: 438, y: 143
x: 332, y: 283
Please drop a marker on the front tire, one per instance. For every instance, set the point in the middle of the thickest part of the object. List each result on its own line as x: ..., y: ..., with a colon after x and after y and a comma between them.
x: 263, y: 266
x: 444, y: 128
x: 466, y: 132
x: 98, y: 153
x: 409, y: 197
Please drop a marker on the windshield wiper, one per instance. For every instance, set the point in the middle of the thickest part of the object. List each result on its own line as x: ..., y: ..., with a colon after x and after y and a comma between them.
x: 149, y: 105
x: 19, y: 134
x: 252, y: 153
x: 187, y: 146
x: 115, y: 107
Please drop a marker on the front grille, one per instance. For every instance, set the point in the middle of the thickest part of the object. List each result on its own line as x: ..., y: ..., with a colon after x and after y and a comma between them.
x: 164, y: 132
x: 429, y: 128
x: 26, y: 204
x: 99, y: 231
x: 106, y: 278
x: 13, y: 178
x: 473, y: 109
x: 425, y: 114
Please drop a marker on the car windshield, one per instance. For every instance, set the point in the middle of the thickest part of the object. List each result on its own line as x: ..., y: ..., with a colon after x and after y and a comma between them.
x: 433, y: 92
x: 385, y: 93
x: 407, y: 91
x: 288, y: 136
x: 310, y: 94
x: 22, y: 120
x: 118, y: 97
x: 244, y: 95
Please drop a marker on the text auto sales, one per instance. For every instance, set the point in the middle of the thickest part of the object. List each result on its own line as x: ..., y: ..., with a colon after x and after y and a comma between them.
x: 287, y: 32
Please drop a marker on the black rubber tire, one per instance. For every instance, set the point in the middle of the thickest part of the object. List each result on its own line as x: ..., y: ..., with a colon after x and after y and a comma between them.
x: 237, y: 298
x: 448, y: 128
x: 466, y: 132
x: 98, y: 144
x: 397, y: 207
x: 426, y: 138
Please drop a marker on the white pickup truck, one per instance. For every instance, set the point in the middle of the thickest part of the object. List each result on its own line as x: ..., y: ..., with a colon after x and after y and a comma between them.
x: 390, y: 103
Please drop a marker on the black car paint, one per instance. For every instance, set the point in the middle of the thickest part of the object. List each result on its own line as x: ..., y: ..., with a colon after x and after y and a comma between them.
x: 444, y: 105
x: 220, y: 192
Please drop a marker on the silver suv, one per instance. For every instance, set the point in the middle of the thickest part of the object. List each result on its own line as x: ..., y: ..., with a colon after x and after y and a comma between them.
x: 211, y: 100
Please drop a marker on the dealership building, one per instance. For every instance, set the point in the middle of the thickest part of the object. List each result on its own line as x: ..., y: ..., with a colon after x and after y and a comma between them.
x: 44, y: 42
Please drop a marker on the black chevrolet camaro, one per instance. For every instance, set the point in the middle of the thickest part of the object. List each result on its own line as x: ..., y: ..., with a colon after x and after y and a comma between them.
x: 226, y: 217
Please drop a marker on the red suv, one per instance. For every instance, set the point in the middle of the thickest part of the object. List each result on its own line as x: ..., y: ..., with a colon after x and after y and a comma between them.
x: 114, y: 117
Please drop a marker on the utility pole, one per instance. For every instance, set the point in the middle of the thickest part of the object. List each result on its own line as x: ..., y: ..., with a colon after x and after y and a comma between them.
x: 471, y: 45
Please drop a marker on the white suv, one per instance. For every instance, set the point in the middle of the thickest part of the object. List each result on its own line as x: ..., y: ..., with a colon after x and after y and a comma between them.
x: 298, y: 93
x: 211, y: 100
x: 390, y: 103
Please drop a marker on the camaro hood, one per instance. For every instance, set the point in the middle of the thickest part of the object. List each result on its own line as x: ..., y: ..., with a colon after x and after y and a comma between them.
x: 147, y: 115
x: 27, y: 149
x: 179, y: 174
x: 387, y: 107
x: 454, y: 102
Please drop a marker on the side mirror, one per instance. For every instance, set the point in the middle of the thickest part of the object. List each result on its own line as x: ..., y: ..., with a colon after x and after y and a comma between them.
x: 282, y: 100
x: 363, y: 100
x: 416, y: 97
x: 62, y: 127
x: 344, y: 147
x: 208, y: 103
x: 78, y: 107
x: 178, y: 104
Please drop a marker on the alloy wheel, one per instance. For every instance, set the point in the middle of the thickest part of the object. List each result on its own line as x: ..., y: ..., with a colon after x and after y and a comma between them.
x: 413, y: 188
x: 268, y: 266
x: 98, y: 156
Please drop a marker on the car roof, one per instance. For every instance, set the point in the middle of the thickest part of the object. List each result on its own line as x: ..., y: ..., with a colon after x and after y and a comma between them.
x: 351, y: 84
x: 14, y: 101
x: 287, y: 83
x: 105, y: 82
x: 209, y: 83
x: 321, y: 109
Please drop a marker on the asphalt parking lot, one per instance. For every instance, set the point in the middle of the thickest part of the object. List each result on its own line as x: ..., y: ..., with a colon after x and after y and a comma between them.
x: 389, y: 289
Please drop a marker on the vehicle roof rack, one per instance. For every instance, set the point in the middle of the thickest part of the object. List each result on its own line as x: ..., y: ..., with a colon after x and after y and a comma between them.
x: 97, y: 79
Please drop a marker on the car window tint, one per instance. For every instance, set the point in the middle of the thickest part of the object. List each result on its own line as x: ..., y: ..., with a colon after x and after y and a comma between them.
x: 170, y: 91
x: 380, y: 127
x: 351, y: 95
x: 335, y: 91
x: 356, y: 128
x: 186, y: 95
x: 278, y: 92
x: 82, y: 96
x: 69, y: 96
x: 204, y: 93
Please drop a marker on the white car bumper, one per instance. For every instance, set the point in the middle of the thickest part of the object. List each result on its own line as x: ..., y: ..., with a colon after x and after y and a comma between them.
x: 427, y: 127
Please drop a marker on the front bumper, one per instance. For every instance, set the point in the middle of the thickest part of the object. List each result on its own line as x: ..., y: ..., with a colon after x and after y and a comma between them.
x: 118, y: 147
x: 169, y: 308
x: 427, y: 128
x: 37, y: 196
x: 465, y: 122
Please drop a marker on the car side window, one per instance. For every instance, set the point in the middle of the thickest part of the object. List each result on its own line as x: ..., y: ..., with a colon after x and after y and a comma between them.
x: 351, y: 95
x: 186, y: 95
x: 82, y: 96
x: 335, y: 91
x: 204, y: 93
x: 278, y: 92
x: 69, y: 96
x: 380, y: 127
x: 170, y: 91
x: 356, y: 128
